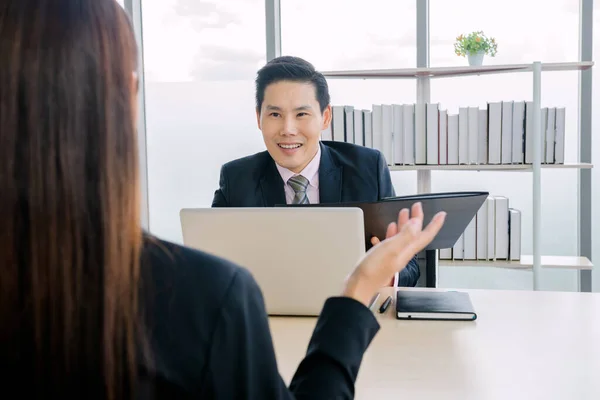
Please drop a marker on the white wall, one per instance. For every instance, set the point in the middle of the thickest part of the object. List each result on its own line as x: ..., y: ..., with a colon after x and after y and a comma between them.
x: 192, y: 129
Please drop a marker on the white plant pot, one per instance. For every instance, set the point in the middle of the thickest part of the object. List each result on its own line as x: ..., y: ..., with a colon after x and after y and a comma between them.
x: 476, y: 58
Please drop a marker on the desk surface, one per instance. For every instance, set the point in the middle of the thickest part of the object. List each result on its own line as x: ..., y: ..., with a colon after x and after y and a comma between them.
x: 523, y: 345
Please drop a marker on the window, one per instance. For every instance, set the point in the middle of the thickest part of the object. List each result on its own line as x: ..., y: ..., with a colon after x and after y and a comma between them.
x: 525, y: 31
x: 200, y: 60
x: 338, y: 34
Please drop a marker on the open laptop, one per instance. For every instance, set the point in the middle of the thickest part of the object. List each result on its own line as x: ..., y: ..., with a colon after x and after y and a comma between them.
x: 298, y: 256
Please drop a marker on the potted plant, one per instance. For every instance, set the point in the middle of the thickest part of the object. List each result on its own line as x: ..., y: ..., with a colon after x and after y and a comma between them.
x: 475, y: 45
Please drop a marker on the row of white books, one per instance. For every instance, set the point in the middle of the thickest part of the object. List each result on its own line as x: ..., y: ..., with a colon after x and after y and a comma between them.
x: 493, y: 234
x: 418, y: 134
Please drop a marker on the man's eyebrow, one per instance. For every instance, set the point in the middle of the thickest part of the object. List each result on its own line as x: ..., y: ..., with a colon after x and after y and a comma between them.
x: 299, y: 108
x: 303, y: 108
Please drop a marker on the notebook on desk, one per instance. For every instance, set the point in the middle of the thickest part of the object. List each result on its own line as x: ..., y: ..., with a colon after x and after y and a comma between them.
x: 434, y: 305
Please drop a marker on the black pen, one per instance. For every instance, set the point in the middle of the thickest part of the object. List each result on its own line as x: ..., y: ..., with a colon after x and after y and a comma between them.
x: 385, y: 304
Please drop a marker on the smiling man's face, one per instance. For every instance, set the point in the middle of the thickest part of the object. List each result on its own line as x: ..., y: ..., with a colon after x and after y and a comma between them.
x: 291, y: 123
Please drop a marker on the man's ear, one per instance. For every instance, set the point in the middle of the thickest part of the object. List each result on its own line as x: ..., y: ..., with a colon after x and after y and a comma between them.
x: 327, y: 114
x: 258, y: 118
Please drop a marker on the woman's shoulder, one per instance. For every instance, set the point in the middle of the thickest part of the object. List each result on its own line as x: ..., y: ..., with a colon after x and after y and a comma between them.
x: 185, y: 294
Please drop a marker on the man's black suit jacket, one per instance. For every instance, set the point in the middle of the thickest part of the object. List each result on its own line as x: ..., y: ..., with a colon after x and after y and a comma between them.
x: 347, y: 173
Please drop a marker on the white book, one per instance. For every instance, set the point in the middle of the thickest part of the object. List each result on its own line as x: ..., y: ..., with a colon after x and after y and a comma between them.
x: 458, y: 250
x: 443, y: 137
x: 528, y: 132
x: 543, y: 126
x: 550, y: 135
x: 409, y: 133
x: 463, y: 135
x: 446, y: 254
x: 359, y: 133
x: 482, y: 151
x: 432, y: 127
x: 368, y: 124
x: 398, y: 133
x: 473, y: 134
x: 481, y: 228
x: 349, y: 121
x: 518, y: 130
x: 559, y: 149
x: 338, y: 124
x: 495, y: 133
x: 507, y: 108
x: 491, y: 228
x: 470, y: 240
x: 420, y: 134
x: 386, y: 129
x: 515, y: 234
x: 377, y: 121
x: 453, y: 139
x: 501, y: 247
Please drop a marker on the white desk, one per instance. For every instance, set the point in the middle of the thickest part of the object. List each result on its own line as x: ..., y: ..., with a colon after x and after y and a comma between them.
x: 524, y: 345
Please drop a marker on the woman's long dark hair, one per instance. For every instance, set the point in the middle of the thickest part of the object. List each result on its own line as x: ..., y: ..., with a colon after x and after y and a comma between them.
x: 70, y: 233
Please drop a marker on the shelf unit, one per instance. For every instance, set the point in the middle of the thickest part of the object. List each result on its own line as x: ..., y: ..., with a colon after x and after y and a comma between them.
x: 526, y: 263
x: 488, y: 167
x: 423, y: 75
x: 446, y: 72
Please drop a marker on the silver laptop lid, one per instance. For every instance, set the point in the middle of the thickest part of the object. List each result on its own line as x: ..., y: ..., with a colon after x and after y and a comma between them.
x: 298, y: 256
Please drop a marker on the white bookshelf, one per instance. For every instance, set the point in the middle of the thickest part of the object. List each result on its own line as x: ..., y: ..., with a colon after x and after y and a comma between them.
x: 526, y: 263
x: 449, y: 72
x: 488, y: 167
x: 536, y: 261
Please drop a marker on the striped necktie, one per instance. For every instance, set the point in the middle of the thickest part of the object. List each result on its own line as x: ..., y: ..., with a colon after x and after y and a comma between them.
x: 299, y: 184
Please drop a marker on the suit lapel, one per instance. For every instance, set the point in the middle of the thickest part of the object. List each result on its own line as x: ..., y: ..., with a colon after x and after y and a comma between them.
x: 271, y: 186
x: 330, y: 178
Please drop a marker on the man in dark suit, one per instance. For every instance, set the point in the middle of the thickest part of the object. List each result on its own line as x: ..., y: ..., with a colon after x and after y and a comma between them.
x: 292, y: 108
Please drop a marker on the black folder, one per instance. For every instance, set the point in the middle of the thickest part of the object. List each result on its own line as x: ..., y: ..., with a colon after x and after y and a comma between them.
x: 461, y: 208
x: 434, y: 305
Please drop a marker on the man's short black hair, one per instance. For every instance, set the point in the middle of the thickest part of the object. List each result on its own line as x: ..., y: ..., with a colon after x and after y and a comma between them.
x: 295, y: 69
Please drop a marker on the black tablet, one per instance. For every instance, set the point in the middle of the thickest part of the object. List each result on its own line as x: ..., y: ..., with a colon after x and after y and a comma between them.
x: 460, y: 207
